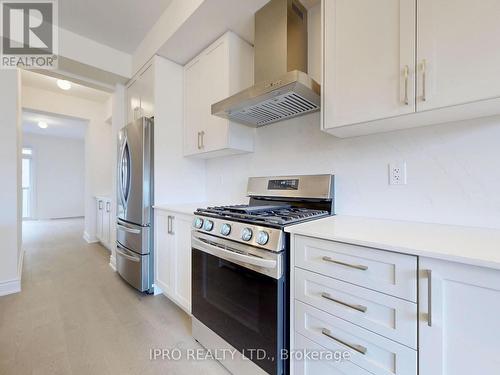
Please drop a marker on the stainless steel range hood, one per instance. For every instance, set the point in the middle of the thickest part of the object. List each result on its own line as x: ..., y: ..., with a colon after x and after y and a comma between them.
x: 283, y: 89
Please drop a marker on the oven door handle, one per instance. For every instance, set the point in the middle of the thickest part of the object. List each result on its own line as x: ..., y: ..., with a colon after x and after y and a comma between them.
x: 231, y: 255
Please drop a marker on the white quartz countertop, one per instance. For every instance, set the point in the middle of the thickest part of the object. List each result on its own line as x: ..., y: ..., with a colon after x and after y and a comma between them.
x: 188, y: 208
x: 470, y: 245
x: 108, y: 197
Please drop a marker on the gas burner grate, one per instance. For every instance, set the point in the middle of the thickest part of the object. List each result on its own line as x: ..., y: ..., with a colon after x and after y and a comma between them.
x: 273, y: 215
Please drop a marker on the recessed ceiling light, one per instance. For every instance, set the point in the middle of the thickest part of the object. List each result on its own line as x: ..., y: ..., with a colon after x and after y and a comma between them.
x: 63, y: 84
x: 42, y: 125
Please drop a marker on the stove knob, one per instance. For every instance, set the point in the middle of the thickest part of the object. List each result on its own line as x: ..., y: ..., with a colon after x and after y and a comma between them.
x: 208, y: 225
x: 246, y: 234
x: 262, y: 237
x: 225, y: 229
x: 198, y: 222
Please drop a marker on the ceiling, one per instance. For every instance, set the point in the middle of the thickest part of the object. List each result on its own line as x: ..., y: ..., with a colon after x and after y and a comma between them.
x: 40, y: 81
x: 209, y: 22
x: 120, y: 24
x: 58, y: 126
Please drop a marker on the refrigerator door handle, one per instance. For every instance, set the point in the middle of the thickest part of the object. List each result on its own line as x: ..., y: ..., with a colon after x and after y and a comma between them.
x: 124, y: 172
x: 128, y: 230
x: 127, y: 254
x: 120, y: 174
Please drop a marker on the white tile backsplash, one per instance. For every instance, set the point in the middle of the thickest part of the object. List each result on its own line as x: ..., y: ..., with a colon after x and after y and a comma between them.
x: 453, y: 170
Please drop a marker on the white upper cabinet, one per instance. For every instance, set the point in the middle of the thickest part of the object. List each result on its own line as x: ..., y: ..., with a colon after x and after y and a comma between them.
x: 459, y: 325
x: 146, y: 81
x: 396, y: 64
x: 223, y: 69
x: 458, y: 43
x: 140, y: 94
x: 369, y: 60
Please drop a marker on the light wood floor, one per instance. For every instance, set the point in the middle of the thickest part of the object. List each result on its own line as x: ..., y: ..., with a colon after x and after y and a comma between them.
x: 76, y: 316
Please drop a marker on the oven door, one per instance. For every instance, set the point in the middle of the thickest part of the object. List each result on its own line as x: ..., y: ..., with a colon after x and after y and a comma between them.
x: 238, y: 292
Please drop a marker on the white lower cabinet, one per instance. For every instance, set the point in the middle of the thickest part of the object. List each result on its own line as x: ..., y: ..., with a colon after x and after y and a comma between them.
x: 358, y: 301
x: 307, y: 364
x: 388, y: 316
x: 459, y: 323
x: 103, y: 221
x: 382, y: 271
x: 366, y: 349
x: 173, y: 256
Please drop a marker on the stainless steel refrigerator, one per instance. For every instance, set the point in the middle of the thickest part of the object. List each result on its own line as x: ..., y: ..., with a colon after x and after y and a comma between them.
x: 134, y: 252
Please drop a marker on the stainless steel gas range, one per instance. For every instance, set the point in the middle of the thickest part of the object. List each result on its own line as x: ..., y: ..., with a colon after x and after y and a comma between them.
x: 240, y: 270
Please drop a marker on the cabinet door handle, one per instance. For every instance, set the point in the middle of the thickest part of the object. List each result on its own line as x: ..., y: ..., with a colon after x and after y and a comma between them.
x: 100, y: 205
x: 429, y: 296
x: 359, y: 348
x: 170, y: 224
x: 356, y: 266
x: 424, y: 80
x: 406, y: 73
x: 108, y: 206
x: 202, y: 139
x: 199, y: 140
x: 354, y: 307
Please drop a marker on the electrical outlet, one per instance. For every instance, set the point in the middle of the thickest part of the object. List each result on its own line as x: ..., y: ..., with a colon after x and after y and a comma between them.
x: 397, y: 173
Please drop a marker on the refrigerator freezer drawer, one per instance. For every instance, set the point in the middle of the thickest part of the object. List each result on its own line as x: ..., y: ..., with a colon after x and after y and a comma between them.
x: 133, y: 237
x: 133, y: 268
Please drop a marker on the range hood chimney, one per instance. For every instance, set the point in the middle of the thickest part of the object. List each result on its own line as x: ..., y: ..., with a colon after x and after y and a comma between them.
x: 283, y: 89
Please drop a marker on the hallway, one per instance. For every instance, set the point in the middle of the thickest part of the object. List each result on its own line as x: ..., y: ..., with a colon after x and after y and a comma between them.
x: 76, y: 316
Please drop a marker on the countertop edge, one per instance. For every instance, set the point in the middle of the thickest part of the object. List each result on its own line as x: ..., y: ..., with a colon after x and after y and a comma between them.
x: 407, y: 251
x: 480, y: 261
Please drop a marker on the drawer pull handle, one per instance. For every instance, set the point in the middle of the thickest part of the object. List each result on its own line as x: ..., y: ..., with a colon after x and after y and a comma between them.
x: 359, y: 348
x: 355, y: 307
x: 356, y: 266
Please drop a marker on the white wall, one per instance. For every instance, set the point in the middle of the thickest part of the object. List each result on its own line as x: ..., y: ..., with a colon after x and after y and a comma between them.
x: 59, y: 176
x: 98, y: 144
x: 10, y: 197
x: 453, y: 169
x: 89, y: 52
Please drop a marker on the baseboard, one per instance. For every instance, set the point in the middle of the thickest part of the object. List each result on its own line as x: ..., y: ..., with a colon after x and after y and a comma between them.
x: 157, y: 290
x: 10, y: 287
x: 89, y: 239
x: 20, y: 265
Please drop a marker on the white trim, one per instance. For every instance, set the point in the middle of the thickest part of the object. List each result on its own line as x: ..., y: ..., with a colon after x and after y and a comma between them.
x: 10, y: 287
x: 20, y: 265
x: 157, y: 290
x: 89, y: 239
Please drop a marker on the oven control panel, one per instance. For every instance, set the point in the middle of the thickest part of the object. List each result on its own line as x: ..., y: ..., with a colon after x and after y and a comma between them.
x: 263, y: 237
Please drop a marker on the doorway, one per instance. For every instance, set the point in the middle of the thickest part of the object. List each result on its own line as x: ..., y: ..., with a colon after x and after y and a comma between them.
x: 27, y: 183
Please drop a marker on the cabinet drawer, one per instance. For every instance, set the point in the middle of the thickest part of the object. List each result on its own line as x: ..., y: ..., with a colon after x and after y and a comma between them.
x: 368, y: 350
x: 386, y: 315
x: 383, y: 271
x: 309, y: 366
